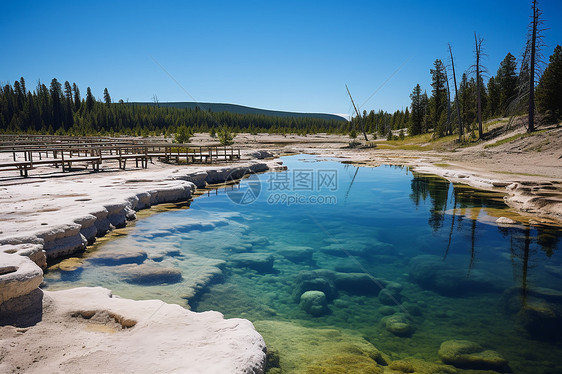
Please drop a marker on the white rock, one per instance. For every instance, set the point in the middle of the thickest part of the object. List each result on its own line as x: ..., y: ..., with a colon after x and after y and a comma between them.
x: 109, y: 334
x: 19, y: 276
x: 505, y: 221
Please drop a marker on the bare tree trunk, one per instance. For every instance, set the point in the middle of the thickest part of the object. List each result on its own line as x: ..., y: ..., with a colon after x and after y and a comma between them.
x: 531, y: 127
x: 478, y: 48
x: 456, y: 94
x: 359, y: 118
x: 450, y: 125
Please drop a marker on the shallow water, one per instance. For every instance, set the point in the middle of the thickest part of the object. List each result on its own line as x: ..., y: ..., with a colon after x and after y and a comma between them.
x: 347, y: 219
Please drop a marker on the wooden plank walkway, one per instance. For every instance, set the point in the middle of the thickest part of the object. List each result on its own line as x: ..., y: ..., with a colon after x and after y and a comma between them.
x: 65, y: 151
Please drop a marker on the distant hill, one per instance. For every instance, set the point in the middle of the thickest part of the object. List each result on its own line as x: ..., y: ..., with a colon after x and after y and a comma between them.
x: 240, y: 109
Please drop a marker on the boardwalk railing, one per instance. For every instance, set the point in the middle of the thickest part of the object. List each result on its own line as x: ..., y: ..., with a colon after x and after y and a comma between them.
x: 65, y: 151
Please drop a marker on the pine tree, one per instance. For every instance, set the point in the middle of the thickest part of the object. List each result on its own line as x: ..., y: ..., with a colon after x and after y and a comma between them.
x: 57, y: 110
x: 417, y: 114
x: 77, y: 99
x: 549, y: 90
x: 506, y: 78
x: 439, y: 96
x: 106, y: 96
x: 493, y: 98
x: 89, y: 100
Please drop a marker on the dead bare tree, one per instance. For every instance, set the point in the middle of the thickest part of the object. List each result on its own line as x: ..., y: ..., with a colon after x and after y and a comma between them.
x: 359, y: 118
x: 534, y: 23
x: 456, y: 93
x: 449, y: 122
x: 532, y: 64
x: 478, y: 52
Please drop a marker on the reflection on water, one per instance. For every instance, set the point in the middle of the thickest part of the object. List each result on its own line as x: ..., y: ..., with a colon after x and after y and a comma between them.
x: 402, y: 262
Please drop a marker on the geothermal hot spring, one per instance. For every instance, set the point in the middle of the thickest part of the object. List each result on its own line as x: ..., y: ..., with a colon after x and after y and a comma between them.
x: 328, y: 253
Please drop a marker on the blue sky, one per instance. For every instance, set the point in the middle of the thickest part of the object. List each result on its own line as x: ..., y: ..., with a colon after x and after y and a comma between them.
x: 284, y: 55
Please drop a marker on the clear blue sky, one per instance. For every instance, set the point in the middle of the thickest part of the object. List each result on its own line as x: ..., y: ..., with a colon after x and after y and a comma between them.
x: 284, y: 55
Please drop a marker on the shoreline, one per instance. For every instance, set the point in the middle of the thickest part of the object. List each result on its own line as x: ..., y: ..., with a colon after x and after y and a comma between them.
x: 29, y: 314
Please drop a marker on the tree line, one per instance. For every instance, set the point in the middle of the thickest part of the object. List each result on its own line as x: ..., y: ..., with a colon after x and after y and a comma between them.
x: 60, y: 109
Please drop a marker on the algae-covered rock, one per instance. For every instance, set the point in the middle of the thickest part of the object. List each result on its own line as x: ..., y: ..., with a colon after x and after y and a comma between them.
x: 542, y: 320
x: 315, y: 280
x: 386, y: 310
x: 398, y: 324
x: 317, y: 350
x: 389, y: 297
x: 465, y: 354
x: 261, y: 262
x: 357, y: 283
x: 314, y: 303
x: 539, y: 316
x: 402, y: 366
x: 297, y: 254
x: 450, y: 278
x: 415, y: 365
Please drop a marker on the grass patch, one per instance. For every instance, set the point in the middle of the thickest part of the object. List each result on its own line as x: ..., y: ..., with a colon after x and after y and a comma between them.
x: 514, y: 173
x: 513, y: 138
x: 422, y: 142
x: 442, y: 165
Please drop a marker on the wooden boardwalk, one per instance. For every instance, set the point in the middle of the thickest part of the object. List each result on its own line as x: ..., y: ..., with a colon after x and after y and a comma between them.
x: 25, y: 153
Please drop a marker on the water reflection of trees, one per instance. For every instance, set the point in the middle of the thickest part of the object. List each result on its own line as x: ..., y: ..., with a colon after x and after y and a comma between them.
x: 469, y: 202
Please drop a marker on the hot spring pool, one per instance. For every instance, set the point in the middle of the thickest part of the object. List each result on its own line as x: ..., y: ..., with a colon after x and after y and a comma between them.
x: 331, y: 260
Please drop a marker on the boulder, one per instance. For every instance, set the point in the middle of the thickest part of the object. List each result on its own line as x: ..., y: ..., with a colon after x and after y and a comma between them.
x: 320, y: 280
x: 260, y: 155
x: 399, y: 325
x: 261, y: 262
x: 314, y: 303
x: 465, y: 354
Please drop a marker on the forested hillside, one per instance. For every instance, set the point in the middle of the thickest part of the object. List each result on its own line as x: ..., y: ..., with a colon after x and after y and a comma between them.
x: 60, y: 109
x: 241, y: 109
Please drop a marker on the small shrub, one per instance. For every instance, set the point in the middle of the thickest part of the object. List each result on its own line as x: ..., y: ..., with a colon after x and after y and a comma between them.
x: 225, y: 136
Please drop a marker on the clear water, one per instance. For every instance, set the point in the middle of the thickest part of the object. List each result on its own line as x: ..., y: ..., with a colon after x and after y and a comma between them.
x: 373, y: 220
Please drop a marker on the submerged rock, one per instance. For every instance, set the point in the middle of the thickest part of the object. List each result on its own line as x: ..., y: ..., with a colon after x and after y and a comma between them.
x: 386, y: 310
x: 261, y: 262
x: 297, y: 254
x: 315, y: 280
x: 112, y: 258
x: 390, y: 297
x: 465, y: 354
x: 318, y: 350
x: 357, y: 283
x: 448, y: 279
x: 542, y: 320
x: 505, y: 221
x: 398, y: 324
x: 314, y: 303
x: 150, y: 274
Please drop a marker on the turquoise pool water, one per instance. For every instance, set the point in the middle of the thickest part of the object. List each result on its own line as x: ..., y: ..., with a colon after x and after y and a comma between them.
x: 446, y: 269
